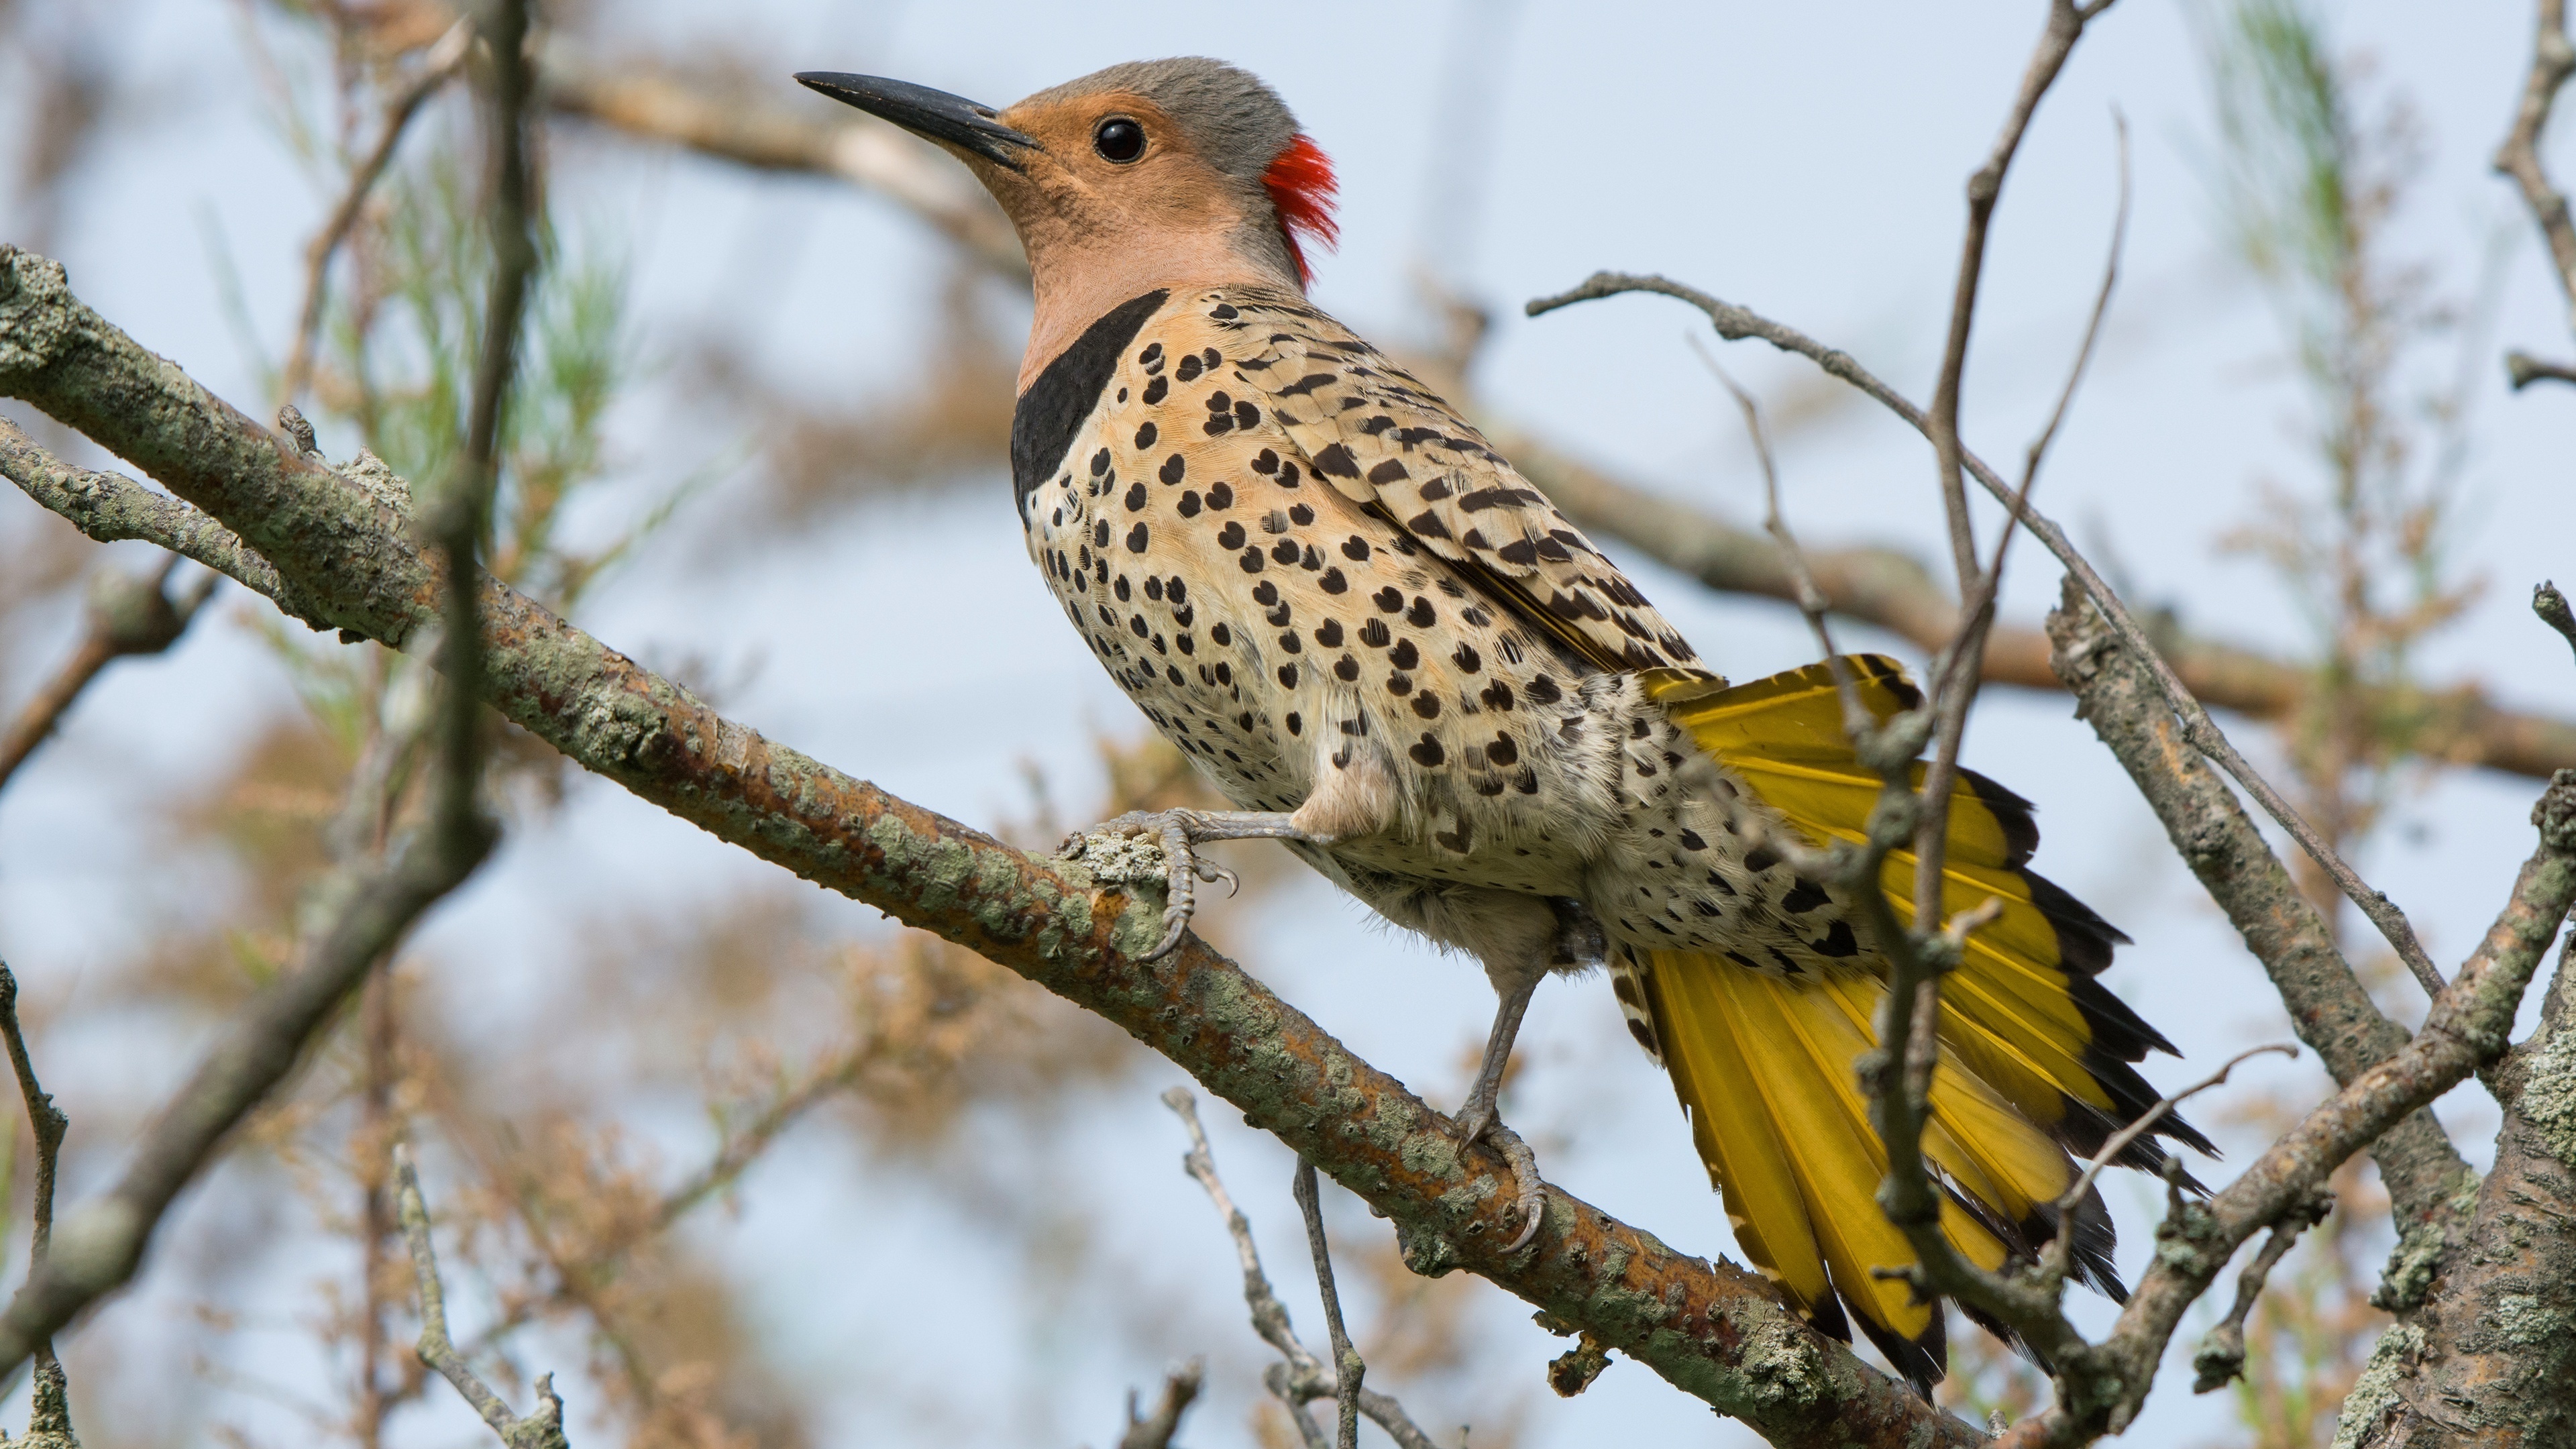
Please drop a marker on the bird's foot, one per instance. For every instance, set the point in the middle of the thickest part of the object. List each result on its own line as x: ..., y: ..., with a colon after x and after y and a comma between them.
x: 1478, y: 1123
x: 1177, y: 834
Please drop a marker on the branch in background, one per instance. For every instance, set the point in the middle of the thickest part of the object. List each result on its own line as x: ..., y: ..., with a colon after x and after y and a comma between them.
x: 442, y: 63
x: 49, y: 1415
x: 1303, y: 1378
x: 540, y: 1430
x: 779, y: 129
x: 127, y: 616
x: 2553, y: 60
x: 2522, y: 370
x: 1877, y: 586
x: 1349, y: 1373
x: 1180, y: 1389
x: 1736, y: 323
x: 1715, y: 1331
x: 2330, y: 1009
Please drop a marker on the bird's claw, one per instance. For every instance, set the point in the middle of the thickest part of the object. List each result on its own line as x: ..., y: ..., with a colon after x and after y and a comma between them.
x: 1479, y: 1124
x: 1183, y: 866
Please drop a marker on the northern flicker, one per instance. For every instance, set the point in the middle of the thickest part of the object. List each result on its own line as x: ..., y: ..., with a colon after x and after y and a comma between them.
x: 1397, y: 658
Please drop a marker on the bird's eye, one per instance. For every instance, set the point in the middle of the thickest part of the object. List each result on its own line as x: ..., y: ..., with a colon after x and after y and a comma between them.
x: 1119, y: 139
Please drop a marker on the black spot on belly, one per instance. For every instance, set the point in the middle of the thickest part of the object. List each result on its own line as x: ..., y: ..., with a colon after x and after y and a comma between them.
x: 1502, y: 751
x: 1760, y: 859
x: 1222, y: 635
x: 1172, y: 469
x: 1135, y: 496
x: 1374, y: 634
x: 1346, y: 669
x: 1330, y: 635
x: 1145, y: 435
x: 1356, y: 549
x: 1497, y: 697
x: 1332, y: 581
x: 1220, y: 496
x: 1288, y: 674
x: 1467, y: 659
x: 1805, y: 897
x: 1428, y: 753
x: 1047, y: 416
x: 1838, y: 941
x: 1136, y: 539
x: 1542, y: 690
x: 1230, y: 536
x: 1189, y: 504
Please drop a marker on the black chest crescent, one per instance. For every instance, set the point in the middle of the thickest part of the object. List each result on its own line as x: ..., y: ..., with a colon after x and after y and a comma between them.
x: 1051, y: 411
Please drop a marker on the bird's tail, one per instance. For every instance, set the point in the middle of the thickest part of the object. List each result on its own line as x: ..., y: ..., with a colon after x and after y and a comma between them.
x: 1764, y: 1066
x: 2035, y: 1053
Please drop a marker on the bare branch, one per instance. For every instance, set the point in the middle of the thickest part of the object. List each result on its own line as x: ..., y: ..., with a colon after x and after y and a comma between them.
x: 2553, y: 60
x: 540, y: 1430
x: 2330, y: 1009
x: 1180, y: 1389
x: 127, y: 616
x: 1303, y: 1379
x: 2551, y: 606
x: 2220, y: 1359
x: 1348, y: 1371
x: 2521, y: 369
x: 112, y: 509
x: 49, y: 1414
x: 1736, y: 323
x: 2066, y: 23
x: 437, y: 68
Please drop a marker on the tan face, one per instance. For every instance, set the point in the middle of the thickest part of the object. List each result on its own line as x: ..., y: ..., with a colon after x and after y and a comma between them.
x: 1110, y: 171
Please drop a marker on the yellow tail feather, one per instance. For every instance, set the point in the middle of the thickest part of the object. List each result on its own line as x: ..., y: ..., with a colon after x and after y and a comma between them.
x: 1764, y: 1065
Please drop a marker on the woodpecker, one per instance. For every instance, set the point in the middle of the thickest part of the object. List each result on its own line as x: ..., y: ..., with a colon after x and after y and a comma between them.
x: 1396, y: 657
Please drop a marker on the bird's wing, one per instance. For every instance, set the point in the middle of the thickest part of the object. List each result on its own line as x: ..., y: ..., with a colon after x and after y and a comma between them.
x: 1382, y: 439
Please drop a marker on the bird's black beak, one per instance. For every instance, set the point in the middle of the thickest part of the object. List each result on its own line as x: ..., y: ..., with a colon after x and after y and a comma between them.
x: 924, y: 112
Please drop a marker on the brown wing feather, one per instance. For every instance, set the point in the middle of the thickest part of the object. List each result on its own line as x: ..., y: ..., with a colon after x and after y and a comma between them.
x: 1384, y: 440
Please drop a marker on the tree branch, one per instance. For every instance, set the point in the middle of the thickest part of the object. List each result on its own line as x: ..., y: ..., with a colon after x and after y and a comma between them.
x: 540, y: 1430
x: 1715, y: 1331
x: 49, y: 1417
x: 2553, y: 60
x: 2483, y: 1348
x: 2329, y: 1008
x: 127, y: 616
x: 442, y: 63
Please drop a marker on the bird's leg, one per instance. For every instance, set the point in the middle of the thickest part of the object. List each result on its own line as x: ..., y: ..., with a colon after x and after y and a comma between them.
x: 1181, y: 832
x: 1477, y: 1119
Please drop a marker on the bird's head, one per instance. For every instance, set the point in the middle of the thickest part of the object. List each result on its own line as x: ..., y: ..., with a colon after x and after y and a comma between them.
x: 1152, y: 173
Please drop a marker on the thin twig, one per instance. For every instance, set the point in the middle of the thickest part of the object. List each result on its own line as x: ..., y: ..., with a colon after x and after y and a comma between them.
x: 128, y: 615
x: 1303, y: 1379
x: 2062, y: 1248
x: 2066, y: 22
x: 2553, y: 60
x: 2551, y: 606
x: 1180, y: 1389
x: 2221, y: 1355
x: 50, y: 1413
x: 1810, y: 599
x: 2521, y: 369
x: 540, y: 1430
x: 1347, y: 1368
x: 1737, y: 323
x: 444, y: 59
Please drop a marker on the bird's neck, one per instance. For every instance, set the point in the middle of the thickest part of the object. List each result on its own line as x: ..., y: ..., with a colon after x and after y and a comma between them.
x: 1078, y: 282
